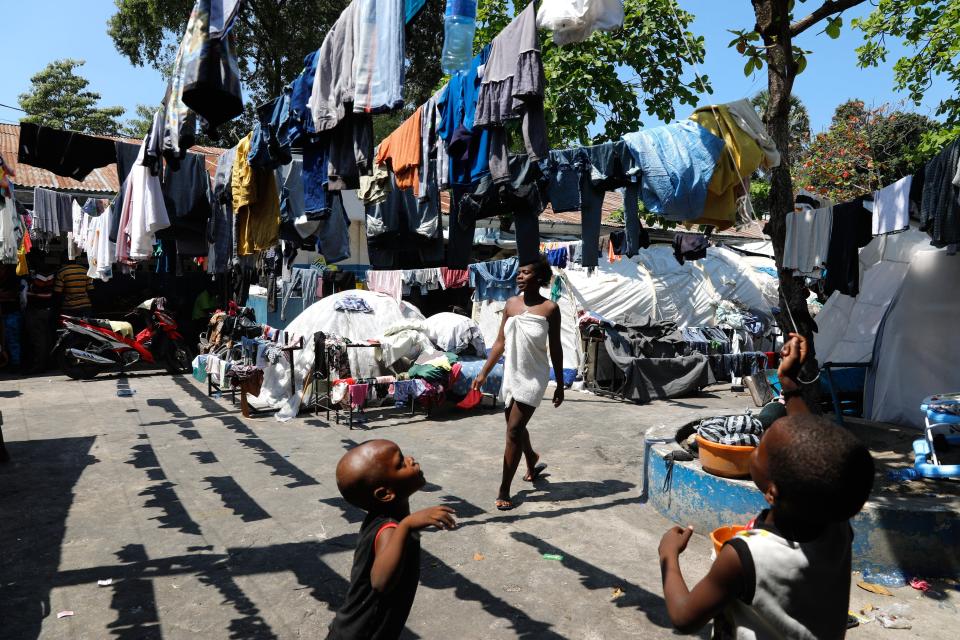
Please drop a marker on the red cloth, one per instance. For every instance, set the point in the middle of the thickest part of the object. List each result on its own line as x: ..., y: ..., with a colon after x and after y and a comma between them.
x: 471, y: 400
x: 455, y: 278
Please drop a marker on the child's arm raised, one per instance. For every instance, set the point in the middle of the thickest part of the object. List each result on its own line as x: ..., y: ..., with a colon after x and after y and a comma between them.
x: 795, y: 352
x: 391, y: 543
x: 690, y: 610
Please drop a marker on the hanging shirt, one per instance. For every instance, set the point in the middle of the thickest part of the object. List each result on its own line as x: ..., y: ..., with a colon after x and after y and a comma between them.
x: 333, y: 80
x: 256, y: 203
x: 468, y: 150
x: 65, y: 153
x: 494, y: 280
x: 401, y: 151
x: 891, y: 207
x: 808, y: 240
x: 378, y: 59
x: 144, y: 213
x: 576, y: 20
x: 940, y: 206
x: 851, y: 231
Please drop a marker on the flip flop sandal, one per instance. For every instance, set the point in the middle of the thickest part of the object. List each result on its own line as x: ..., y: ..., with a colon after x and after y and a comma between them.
x: 504, y: 505
x: 537, y: 471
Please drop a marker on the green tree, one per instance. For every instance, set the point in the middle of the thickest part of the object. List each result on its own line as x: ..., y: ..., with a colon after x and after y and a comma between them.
x: 612, y: 77
x: 271, y: 40
x: 59, y: 98
x: 931, y: 30
x: 770, y: 41
x: 863, y: 150
x: 139, y: 126
x: 799, y: 119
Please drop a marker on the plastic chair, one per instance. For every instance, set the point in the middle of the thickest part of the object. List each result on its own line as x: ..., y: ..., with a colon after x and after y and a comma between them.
x: 844, y: 380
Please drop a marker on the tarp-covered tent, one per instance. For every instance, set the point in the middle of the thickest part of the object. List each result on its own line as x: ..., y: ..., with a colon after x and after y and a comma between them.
x: 323, y: 316
x: 917, y: 351
x: 848, y: 326
x: 651, y: 284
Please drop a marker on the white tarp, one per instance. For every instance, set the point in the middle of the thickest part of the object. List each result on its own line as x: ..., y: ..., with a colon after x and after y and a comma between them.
x: 884, y: 263
x: 917, y: 351
x: 323, y: 316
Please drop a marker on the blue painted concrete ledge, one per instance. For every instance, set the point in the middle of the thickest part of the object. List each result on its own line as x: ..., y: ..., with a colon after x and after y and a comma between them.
x: 895, y: 538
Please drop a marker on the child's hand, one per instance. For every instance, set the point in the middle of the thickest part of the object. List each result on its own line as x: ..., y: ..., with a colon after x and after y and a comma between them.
x: 440, y: 516
x: 674, y: 541
x: 478, y: 382
x: 792, y: 356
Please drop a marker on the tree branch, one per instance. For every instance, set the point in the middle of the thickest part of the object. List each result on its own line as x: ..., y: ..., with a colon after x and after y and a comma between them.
x: 829, y: 7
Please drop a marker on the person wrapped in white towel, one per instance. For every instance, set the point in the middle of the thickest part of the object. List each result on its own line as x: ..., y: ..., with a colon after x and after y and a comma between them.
x: 530, y: 323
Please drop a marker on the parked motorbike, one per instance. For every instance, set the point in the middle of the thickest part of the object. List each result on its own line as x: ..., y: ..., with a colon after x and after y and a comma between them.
x: 88, y: 346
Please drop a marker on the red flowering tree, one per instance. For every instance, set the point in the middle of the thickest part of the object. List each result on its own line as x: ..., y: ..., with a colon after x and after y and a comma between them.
x: 863, y: 150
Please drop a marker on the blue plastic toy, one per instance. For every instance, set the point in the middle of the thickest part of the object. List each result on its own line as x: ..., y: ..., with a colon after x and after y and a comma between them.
x: 943, y: 415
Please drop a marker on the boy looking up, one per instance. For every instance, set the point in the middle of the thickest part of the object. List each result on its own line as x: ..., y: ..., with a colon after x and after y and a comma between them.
x: 376, y: 477
x: 788, y: 575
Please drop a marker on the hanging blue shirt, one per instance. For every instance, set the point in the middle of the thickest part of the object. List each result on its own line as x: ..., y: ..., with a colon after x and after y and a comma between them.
x: 494, y: 280
x: 301, y: 120
x: 469, y: 150
x: 676, y: 163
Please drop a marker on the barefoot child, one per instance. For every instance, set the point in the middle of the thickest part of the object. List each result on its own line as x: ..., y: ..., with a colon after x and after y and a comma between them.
x: 788, y: 575
x: 376, y: 477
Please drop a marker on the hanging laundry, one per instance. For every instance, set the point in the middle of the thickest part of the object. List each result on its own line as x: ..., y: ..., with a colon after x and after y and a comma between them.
x: 940, y: 207
x: 689, y: 246
x: 144, y: 213
x: 127, y: 156
x: 211, y: 75
x: 179, y: 131
x: 401, y: 152
x: 745, y: 117
x: 333, y: 82
x: 558, y: 257
x: 388, y: 282
x: 65, y: 153
x: 807, y: 240
x: 378, y: 62
x: 513, y: 87
x: 401, y: 222
x: 425, y: 280
x: 567, y: 168
x: 375, y: 188
x: 454, y: 278
x: 850, y: 232
x: 891, y: 207
x: 222, y: 15
x: 428, y: 142
x: 495, y: 280
x: 270, y: 145
x: 350, y: 151
x: 51, y: 212
x: 256, y: 203
x: 333, y: 232
x: 468, y: 150
x: 12, y: 231
x: 576, y: 20
x: 301, y: 118
x: 220, y: 229
x: 676, y: 164
x: 735, y: 165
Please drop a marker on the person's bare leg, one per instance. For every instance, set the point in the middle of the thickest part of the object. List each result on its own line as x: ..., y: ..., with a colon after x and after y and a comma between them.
x: 518, y: 415
x: 530, y: 455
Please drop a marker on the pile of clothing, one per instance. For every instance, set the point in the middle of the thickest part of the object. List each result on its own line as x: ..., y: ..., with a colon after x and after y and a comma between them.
x: 741, y: 431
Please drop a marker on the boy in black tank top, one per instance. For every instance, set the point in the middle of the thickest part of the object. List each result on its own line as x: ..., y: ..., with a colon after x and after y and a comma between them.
x: 376, y: 477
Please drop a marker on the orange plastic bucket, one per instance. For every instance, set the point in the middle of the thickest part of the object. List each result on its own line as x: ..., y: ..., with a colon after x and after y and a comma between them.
x: 725, y: 460
x: 721, y: 534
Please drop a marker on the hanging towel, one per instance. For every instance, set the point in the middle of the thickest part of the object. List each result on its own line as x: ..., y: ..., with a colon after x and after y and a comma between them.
x: 891, y: 208
x: 358, y: 395
x: 526, y: 369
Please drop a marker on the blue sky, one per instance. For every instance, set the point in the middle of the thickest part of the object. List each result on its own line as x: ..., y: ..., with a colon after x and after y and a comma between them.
x: 49, y: 29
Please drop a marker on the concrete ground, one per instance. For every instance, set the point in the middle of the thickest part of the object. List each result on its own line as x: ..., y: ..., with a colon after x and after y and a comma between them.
x: 209, y: 525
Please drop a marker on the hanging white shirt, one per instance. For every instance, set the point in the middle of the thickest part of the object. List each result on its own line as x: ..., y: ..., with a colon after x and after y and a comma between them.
x: 891, y: 208
x: 808, y: 240
x: 576, y: 20
x: 144, y: 213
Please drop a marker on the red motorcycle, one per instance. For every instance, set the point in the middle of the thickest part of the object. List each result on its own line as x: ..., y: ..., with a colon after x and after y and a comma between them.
x: 87, y: 346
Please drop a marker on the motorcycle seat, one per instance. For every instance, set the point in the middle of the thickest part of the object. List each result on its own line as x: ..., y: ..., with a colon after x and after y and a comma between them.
x: 125, y: 329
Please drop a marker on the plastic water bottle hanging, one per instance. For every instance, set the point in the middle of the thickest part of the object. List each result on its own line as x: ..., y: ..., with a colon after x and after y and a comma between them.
x: 459, y: 25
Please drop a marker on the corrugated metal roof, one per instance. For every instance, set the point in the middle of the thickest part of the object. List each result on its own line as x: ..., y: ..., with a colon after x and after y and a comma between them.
x: 103, y: 180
